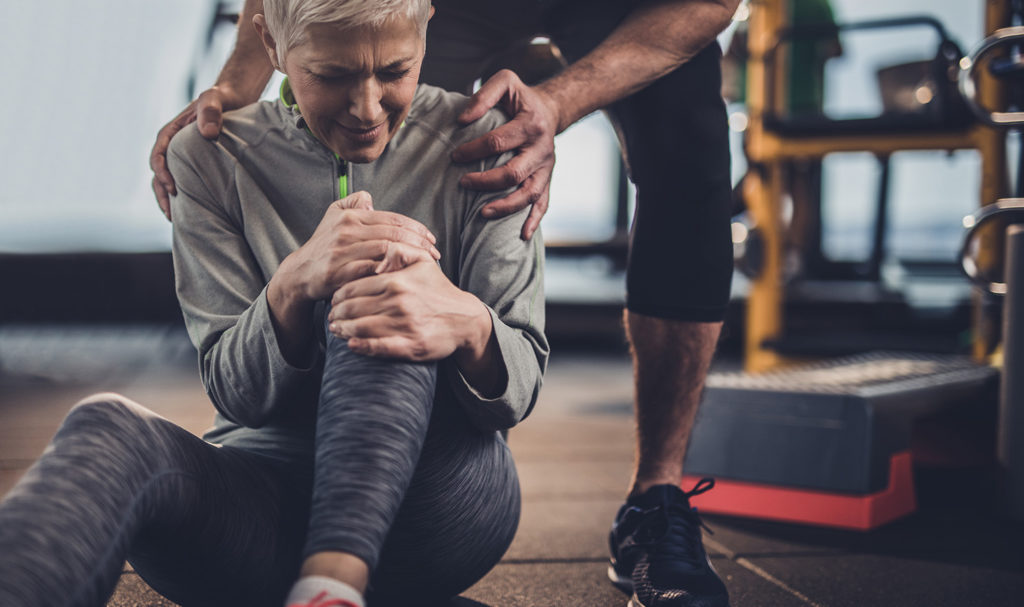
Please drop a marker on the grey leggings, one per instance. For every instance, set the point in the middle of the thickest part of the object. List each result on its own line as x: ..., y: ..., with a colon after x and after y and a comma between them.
x: 429, y: 502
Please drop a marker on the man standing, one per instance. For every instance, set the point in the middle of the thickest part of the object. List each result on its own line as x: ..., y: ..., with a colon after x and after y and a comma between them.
x: 655, y: 67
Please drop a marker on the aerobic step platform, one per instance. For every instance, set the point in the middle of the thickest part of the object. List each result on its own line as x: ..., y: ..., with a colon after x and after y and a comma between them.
x: 826, y: 443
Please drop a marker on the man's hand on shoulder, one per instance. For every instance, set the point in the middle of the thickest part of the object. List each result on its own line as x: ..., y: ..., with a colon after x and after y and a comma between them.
x: 531, y: 133
x: 208, y: 108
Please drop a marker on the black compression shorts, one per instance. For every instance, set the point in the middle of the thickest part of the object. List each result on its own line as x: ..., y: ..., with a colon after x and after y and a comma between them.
x: 674, y: 133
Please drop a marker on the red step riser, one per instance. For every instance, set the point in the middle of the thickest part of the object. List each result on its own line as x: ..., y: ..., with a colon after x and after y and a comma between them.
x: 858, y: 512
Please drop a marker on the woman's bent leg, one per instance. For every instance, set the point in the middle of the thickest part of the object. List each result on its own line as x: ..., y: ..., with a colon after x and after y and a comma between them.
x: 389, y: 466
x: 371, y: 423
x: 119, y: 480
x: 459, y: 517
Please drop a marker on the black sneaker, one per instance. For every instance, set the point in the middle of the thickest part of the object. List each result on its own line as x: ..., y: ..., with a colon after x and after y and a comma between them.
x: 657, y: 552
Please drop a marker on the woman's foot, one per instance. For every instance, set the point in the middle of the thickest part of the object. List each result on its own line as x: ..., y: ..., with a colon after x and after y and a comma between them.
x: 321, y: 591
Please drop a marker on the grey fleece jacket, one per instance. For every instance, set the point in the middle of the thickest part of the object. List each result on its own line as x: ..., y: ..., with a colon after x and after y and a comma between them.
x: 250, y: 198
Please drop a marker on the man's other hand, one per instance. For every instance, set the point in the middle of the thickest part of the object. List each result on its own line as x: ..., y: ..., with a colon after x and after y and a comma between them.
x: 209, y: 107
x: 530, y: 132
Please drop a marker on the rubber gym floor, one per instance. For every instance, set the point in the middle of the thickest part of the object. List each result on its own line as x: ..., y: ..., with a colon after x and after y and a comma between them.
x: 574, y: 457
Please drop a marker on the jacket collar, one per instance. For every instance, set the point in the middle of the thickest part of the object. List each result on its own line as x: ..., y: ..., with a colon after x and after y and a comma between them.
x: 288, y: 99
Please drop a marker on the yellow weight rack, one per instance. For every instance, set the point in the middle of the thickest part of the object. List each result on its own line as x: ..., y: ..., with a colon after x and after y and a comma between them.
x: 763, y: 190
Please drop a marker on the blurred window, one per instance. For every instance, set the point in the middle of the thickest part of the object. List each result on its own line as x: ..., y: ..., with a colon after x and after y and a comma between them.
x: 929, y: 194
x: 93, y: 82
x: 90, y: 83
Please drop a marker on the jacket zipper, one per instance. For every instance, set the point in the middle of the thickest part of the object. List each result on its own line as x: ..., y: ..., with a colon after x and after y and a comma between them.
x: 341, y: 169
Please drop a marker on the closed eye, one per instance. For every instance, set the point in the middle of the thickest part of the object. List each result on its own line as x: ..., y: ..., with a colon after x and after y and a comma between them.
x: 325, y: 77
x: 392, y: 75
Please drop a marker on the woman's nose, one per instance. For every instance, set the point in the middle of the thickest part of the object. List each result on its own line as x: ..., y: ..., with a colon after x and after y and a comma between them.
x: 366, y: 105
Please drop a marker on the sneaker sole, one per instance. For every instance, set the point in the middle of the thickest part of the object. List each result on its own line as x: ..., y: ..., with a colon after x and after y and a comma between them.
x: 625, y: 584
x: 634, y: 601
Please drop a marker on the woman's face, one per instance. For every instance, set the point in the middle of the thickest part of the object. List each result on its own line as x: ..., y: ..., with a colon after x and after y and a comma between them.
x: 354, y: 85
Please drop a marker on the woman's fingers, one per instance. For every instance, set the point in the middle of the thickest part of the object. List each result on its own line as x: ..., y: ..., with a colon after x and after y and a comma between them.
x: 415, y: 314
x: 375, y: 336
x: 368, y: 286
x: 357, y: 200
x: 400, y: 255
x: 399, y: 235
x: 354, y: 270
x: 392, y: 346
x: 400, y: 221
x: 358, y: 209
x: 376, y: 257
x: 349, y: 312
x: 353, y: 225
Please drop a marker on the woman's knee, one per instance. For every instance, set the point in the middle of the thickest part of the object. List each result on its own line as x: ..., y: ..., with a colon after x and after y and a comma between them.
x: 106, y: 409
x: 110, y: 422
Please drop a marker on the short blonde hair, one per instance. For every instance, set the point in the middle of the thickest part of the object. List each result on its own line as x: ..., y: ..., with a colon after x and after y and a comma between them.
x: 288, y: 20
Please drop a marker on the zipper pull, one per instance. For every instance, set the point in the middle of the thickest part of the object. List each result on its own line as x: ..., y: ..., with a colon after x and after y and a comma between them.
x: 342, y: 170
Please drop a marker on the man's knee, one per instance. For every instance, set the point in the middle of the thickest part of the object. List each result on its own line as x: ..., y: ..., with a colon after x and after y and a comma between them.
x: 657, y: 337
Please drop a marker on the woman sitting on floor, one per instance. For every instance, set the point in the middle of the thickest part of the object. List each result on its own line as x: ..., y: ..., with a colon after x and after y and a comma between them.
x: 363, y: 353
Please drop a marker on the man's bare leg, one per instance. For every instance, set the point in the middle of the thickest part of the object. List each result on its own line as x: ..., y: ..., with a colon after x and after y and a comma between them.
x: 656, y: 544
x: 670, y: 362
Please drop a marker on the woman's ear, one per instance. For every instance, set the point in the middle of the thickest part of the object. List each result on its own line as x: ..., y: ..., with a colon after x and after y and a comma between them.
x: 259, y: 21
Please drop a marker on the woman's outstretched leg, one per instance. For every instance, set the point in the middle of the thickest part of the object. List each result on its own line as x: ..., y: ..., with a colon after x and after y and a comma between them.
x: 199, y: 523
x: 372, y: 420
x: 66, y: 526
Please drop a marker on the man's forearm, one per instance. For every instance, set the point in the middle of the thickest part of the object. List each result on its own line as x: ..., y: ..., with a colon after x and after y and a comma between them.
x: 247, y: 69
x: 655, y: 39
